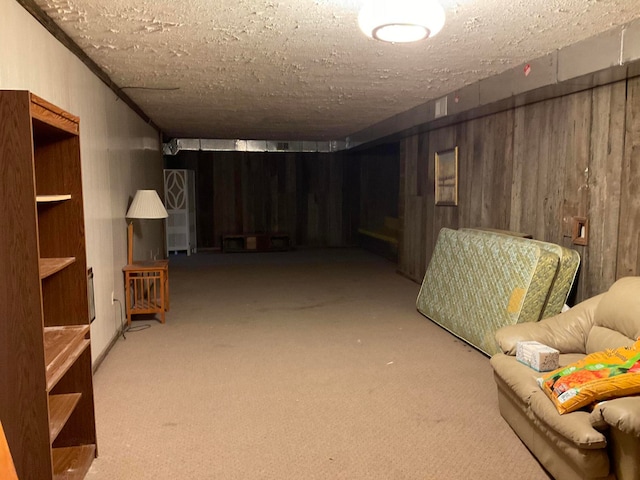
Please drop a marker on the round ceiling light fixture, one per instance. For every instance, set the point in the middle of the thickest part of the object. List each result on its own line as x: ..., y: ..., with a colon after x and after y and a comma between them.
x: 401, y: 21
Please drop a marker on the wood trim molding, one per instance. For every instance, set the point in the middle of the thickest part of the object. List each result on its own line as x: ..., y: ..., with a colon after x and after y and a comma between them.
x: 46, y: 21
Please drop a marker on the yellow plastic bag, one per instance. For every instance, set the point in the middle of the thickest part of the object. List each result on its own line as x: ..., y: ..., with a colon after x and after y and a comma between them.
x: 598, y: 376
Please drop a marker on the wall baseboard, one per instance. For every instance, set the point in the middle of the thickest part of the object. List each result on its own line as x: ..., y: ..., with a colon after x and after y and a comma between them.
x: 100, y: 358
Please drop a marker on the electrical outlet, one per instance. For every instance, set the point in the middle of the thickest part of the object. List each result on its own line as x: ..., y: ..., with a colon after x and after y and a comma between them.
x: 580, y: 231
x: 113, y: 298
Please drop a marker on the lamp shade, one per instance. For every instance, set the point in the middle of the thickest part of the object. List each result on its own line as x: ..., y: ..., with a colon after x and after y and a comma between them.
x: 401, y: 21
x: 147, y: 204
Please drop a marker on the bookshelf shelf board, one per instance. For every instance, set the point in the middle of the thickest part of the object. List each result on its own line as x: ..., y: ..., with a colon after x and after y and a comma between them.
x: 49, y: 266
x: 62, y: 347
x: 60, y: 409
x: 52, y: 198
x: 71, y: 463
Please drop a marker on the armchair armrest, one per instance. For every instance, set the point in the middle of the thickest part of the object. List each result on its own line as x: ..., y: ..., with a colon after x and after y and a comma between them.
x: 566, y: 332
x: 621, y: 413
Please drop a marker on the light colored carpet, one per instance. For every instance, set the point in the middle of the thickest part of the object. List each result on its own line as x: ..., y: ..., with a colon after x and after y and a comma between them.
x: 299, y: 365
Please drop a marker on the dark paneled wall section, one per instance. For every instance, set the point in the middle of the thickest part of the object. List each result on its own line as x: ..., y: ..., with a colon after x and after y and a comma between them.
x: 532, y: 169
x: 313, y: 197
x: 379, y: 183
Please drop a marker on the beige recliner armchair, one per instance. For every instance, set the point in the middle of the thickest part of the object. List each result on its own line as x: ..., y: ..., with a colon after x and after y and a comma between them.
x: 603, y: 443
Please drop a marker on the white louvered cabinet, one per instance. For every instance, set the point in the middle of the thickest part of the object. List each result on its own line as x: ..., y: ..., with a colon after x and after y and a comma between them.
x: 180, y: 202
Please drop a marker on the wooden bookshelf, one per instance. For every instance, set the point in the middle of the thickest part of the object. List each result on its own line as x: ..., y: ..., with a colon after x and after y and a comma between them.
x: 46, y: 404
x: 47, y: 113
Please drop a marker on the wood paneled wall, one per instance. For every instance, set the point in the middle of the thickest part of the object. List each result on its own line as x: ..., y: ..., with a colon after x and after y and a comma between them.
x: 311, y: 196
x: 379, y: 183
x: 532, y: 169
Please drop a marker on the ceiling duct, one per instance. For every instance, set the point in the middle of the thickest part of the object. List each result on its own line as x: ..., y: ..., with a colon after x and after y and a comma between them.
x: 228, y: 145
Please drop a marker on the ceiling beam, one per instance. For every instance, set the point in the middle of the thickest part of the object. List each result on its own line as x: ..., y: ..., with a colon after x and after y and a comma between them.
x: 46, y: 21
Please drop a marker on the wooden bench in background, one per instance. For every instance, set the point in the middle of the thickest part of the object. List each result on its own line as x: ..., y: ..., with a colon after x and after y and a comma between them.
x: 382, y: 240
x: 256, y: 242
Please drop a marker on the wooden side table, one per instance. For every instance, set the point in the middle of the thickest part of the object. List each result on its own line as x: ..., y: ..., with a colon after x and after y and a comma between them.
x: 147, y: 288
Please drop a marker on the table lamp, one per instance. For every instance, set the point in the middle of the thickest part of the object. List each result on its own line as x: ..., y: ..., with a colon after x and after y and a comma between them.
x: 145, y: 205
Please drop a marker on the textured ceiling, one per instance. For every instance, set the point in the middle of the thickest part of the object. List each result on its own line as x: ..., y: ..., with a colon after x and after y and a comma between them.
x: 301, y: 69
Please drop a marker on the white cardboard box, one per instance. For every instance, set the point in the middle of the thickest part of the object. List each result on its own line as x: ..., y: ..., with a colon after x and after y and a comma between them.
x: 538, y: 356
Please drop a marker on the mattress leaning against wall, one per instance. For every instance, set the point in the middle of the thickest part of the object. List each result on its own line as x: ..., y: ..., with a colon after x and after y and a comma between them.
x: 569, y: 262
x: 477, y: 282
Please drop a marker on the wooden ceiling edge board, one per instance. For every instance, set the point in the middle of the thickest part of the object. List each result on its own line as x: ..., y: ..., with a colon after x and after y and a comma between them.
x: 46, y: 21
x: 589, y: 81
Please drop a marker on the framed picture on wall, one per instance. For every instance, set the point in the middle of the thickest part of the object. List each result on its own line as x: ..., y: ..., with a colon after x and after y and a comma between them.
x: 447, y: 177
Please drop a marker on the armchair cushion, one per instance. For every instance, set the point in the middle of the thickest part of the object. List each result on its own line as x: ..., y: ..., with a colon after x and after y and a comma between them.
x: 519, y: 378
x: 619, y: 309
x: 602, y: 338
x: 621, y: 413
x: 566, y: 332
x: 576, y: 428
